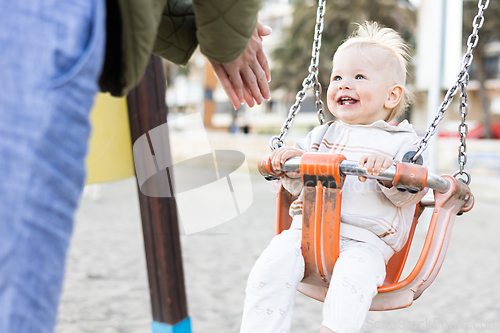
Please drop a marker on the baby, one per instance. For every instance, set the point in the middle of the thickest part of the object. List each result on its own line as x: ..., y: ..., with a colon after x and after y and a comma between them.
x: 366, y: 91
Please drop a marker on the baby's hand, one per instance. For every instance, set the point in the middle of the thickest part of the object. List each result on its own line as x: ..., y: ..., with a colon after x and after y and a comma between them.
x: 283, y: 154
x: 374, y: 165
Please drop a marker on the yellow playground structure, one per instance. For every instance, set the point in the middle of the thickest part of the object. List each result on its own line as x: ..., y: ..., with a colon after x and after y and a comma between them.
x: 110, y: 146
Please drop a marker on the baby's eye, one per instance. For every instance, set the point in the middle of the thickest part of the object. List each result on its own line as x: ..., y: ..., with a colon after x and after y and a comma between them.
x: 336, y: 78
x: 359, y: 77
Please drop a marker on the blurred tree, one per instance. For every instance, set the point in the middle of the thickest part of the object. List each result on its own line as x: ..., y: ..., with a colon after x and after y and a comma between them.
x: 490, y: 32
x: 293, y: 57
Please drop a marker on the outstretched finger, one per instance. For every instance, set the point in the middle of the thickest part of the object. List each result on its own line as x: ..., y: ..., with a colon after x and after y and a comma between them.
x: 226, y: 84
x: 263, y: 31
x: 234, y: 72
x: 264, y: 64
x: 251, y: 83
x: 262, y: 81
x: 248, y: 97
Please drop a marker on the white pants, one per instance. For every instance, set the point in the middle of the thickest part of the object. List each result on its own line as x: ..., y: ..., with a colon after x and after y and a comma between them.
x: 273, y: 281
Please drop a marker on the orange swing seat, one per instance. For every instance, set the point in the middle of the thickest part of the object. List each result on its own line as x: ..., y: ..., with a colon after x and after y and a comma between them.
x: 322, y: 195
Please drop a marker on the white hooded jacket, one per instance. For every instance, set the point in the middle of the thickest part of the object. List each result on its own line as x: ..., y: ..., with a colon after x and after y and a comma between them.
x: 385, y: 212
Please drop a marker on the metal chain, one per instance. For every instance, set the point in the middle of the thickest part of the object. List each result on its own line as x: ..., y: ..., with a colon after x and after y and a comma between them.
x: 310, y: 81
x: 462, y: 81
x: 463, y: 129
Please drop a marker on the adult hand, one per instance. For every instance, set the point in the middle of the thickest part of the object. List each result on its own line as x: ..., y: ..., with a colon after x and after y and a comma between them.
x: 246, y: 78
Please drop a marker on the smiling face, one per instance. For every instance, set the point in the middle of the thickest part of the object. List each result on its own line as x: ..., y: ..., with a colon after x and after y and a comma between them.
x: 362, y: 89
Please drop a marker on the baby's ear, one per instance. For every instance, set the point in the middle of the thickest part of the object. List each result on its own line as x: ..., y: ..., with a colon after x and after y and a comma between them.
x: 394, y: 97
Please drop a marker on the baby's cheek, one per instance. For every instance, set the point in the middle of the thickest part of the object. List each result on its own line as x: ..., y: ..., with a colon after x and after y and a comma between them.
x: 332, y: 105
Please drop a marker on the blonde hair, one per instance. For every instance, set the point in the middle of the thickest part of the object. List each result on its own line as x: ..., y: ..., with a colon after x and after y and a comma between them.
x: 371, y: 33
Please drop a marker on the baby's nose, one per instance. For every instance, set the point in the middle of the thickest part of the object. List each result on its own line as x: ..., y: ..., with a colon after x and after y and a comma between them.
x: 344, y: 86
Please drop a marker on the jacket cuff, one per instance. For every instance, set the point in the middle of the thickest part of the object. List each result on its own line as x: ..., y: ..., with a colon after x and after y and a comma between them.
x: 176, y: 40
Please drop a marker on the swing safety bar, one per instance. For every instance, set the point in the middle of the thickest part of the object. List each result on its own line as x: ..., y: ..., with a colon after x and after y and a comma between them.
x: 351, y: 168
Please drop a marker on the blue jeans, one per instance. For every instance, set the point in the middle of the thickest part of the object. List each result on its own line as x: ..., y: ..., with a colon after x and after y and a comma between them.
x: 51, y: 55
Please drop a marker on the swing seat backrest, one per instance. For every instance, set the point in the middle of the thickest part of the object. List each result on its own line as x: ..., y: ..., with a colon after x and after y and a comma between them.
x: 394, y: 293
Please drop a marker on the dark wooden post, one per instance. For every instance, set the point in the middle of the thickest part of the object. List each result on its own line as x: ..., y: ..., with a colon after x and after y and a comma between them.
x: 147, y: 110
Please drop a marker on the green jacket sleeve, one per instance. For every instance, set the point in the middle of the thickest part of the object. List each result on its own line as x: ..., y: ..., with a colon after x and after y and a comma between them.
x: 176, y: 39
x: 224, y: 27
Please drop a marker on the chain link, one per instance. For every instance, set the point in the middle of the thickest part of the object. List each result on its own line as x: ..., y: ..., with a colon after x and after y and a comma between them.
x: 310, y: 81
x: 319, y: 102
x: 460, y: 84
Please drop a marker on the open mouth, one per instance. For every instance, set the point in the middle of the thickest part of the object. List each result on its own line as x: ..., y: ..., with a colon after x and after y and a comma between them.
x: 346, y: 101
